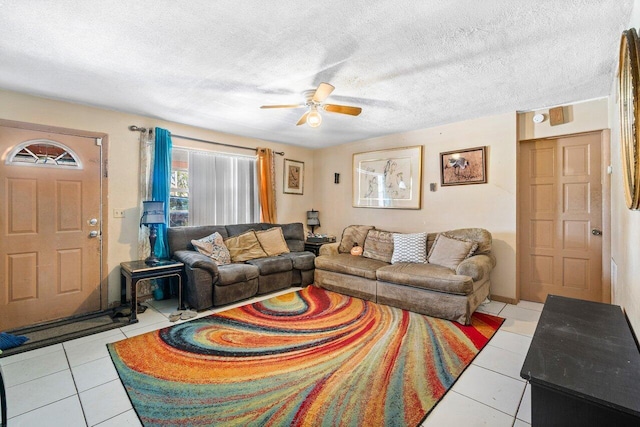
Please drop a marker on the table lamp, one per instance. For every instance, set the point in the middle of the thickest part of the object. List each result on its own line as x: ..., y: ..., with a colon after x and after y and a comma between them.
x: 152, y: 214
x: 313, y: 220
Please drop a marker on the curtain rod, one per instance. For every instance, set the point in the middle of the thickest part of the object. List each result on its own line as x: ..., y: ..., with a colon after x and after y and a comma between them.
x: 135, y: 128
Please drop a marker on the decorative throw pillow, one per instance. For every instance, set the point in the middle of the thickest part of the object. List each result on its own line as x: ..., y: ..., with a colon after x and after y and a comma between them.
x: 449, y: 252
x: 272, y: 241
x: 409, y: 248
x: 353, y: 234
x: 378, y: 245
x: 244, y: 247
x: 213, y: 247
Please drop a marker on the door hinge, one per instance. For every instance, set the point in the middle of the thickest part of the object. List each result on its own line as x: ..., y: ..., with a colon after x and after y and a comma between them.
x: 99, y: 141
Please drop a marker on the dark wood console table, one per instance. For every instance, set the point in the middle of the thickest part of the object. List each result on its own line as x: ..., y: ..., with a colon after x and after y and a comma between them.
x: 583, y: 366
x: 134, y: 271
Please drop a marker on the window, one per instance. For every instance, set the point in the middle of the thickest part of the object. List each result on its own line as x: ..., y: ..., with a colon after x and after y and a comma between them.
x: 179, y: 192
x: 42, y: 152
x: 213, y: 189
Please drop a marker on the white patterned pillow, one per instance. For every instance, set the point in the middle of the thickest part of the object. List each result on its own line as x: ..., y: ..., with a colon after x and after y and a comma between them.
x: 213, y: 246
x: 409, y: 248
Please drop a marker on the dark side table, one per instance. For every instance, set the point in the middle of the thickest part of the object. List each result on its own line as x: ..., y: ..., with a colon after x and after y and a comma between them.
x: 134, y: 271
x: 583, y: 365
x: 313, y: 247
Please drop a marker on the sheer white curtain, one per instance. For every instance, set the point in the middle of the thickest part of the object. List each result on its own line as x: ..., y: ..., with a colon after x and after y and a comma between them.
x: 222, y: 189
x: 144, y: 187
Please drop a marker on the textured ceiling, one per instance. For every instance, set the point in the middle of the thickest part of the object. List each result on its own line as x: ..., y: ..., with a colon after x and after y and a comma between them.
x: 410, y: 65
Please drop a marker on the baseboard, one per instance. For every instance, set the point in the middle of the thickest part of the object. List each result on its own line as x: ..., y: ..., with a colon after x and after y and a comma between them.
x: 503, y: 299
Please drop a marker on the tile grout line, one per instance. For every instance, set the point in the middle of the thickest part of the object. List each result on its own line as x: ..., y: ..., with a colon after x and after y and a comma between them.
x: 520, y: 403
x: 484, y: 404
x: 73, y: 377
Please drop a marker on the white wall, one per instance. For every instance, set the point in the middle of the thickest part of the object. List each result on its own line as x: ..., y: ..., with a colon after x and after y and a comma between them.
x: 123, y: 159
x: 491, y: 206
x: 625, y: 230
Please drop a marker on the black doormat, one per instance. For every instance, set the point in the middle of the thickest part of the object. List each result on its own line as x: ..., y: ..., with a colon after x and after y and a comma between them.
x: 64, y: 330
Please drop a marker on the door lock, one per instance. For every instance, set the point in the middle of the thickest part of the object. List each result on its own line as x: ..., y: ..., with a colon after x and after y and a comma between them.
x: 93, y: 221
x: 596, y: 232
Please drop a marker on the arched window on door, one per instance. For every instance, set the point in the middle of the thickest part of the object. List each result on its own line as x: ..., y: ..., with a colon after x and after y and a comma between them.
x: 43, y: 153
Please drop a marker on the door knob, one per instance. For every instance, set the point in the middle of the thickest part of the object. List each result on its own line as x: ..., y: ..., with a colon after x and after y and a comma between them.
x: 596, y: 232
x: 93, y: 233
x: 93, y: 221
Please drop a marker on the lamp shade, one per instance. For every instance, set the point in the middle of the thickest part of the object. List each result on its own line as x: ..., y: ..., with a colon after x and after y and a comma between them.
x: 152, y: 212
x: 312, y: 218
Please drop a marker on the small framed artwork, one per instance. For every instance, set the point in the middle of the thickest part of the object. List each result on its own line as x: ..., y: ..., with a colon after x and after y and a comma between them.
x: 293, y: 177
x: 388, y: 179
x: 461, y: 167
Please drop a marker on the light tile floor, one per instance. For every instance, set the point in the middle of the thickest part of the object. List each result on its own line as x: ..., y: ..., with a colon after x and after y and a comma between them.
x: 75, y: 383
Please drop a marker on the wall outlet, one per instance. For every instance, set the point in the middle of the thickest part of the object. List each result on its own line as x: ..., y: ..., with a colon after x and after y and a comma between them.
x: 118, y: 213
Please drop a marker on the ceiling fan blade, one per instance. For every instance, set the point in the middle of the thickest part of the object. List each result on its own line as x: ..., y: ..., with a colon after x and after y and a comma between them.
x: 323, y: 91
x: 284, y: 106
x: 343, y: 109
x: 303, y: 119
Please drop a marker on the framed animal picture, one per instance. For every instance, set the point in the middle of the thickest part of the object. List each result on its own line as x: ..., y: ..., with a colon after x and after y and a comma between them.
x: 293, y: 177
x: 468, y: 166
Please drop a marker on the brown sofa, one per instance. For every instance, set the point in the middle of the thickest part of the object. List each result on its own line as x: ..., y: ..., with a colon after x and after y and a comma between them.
x: 427, y: 288
x: 208, y: 284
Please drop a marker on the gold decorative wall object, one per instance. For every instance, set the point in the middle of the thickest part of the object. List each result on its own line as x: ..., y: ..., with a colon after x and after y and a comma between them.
x: 629, y: 83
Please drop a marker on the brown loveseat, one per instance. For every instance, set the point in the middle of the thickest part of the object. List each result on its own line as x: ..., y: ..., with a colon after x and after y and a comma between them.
x: 208, y: 284
x: 452, y: 291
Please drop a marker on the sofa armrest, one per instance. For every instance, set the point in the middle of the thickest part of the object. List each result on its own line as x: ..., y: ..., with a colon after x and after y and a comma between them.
x: 477, y: 267
x: 197, y: 260
x: 329, y: 249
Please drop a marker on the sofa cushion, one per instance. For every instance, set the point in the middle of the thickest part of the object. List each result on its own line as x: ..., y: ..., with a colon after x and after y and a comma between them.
x: 271, y: 265
x: 301, y: 260
x: 353, y: 234
x: 213, y: 247
x: 378, y: 245
x: 180, y: 237
x: 293, y: 235
x: 409, y: 247
x: 349, y: 264
x: 272, y: 241
x: 237, y: 229
x: 195, y: 259
x: 244, y: 247
x: 234, y: 273
x: 479, y: 235
x: 449, y: 252
x: 426, y: 276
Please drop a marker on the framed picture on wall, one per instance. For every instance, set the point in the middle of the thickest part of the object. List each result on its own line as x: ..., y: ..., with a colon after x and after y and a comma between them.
x: 460, y: 167
x: 293, y: 177
x: 390, y: 179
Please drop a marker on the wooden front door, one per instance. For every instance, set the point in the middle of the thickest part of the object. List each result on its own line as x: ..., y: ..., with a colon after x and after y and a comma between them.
x: 560, y: 206
x: 50, y: 226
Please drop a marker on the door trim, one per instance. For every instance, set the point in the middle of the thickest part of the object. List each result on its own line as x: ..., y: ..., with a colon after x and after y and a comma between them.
x: 104, y: 191
x: 605, y: 144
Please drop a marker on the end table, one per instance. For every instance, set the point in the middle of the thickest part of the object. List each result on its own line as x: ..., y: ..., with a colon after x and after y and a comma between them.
x: 313, y: 247
x: 134, y: 271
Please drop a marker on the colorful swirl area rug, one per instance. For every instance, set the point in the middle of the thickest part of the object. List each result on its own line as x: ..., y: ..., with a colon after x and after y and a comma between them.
x: 311, y: 357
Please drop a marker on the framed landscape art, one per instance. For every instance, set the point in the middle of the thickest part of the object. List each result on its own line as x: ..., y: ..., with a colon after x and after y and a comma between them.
x: 390, y: 179
x: 460, y: 167
x: 293, y: 177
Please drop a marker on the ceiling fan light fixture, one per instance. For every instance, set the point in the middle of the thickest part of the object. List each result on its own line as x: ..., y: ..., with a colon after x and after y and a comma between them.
x: 314, y: 118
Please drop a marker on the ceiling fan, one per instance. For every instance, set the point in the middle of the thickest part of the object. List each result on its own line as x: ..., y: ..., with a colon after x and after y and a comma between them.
x: 315, y: 99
